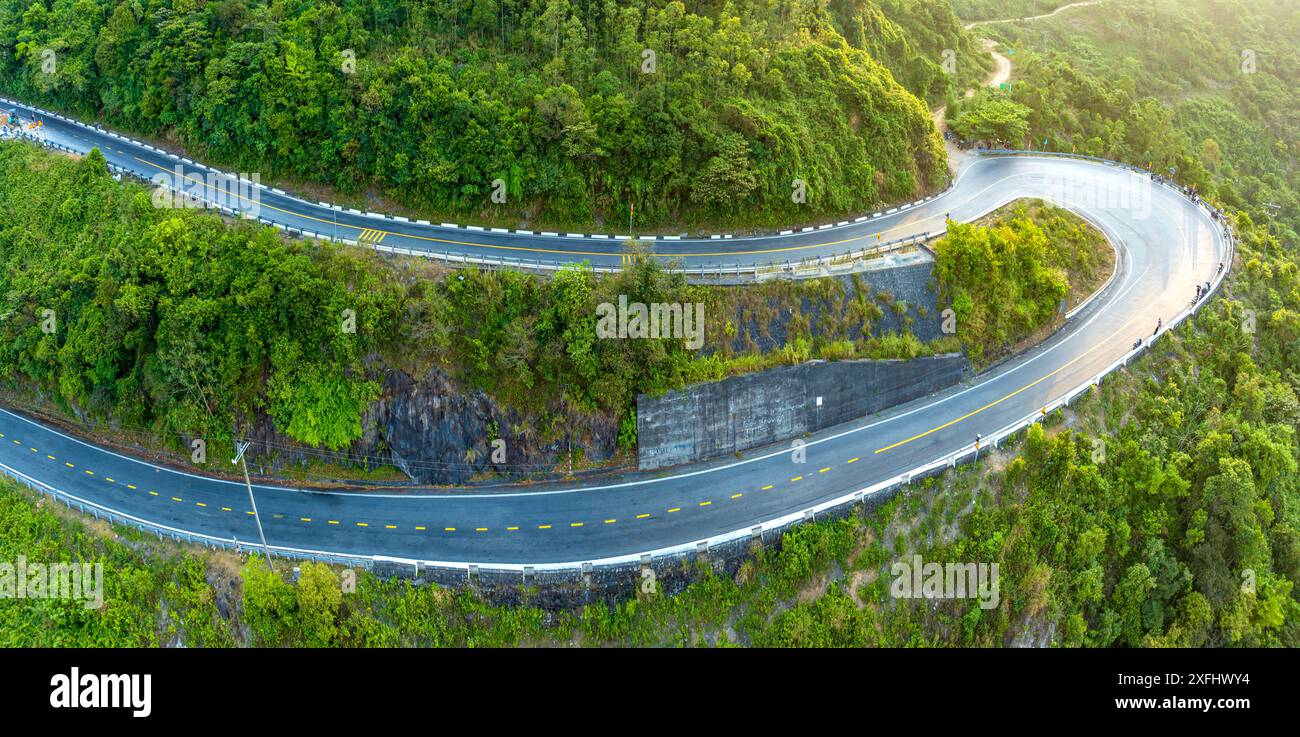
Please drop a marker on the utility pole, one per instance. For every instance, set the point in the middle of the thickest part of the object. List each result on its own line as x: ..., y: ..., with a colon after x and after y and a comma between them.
x: 240, y: 448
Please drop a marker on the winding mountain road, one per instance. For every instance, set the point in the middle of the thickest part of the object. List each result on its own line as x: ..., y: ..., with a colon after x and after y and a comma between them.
x: 1167, y: 244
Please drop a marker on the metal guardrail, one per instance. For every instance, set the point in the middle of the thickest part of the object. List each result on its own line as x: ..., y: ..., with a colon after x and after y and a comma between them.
x: 99, y: 511
x: 768, y: 527
x: 809, y: 267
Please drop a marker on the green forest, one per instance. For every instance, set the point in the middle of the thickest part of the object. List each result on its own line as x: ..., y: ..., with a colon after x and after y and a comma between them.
x: 1008, y: 279
x: 182, y: 325
x: 1161, y: 510
x: 584, y: 109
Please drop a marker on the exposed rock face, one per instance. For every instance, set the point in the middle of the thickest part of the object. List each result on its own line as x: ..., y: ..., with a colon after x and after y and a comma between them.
x: 440, y: 433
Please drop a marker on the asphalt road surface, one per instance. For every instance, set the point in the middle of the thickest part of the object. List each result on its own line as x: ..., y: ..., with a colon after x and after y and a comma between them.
x: 1167, y: 244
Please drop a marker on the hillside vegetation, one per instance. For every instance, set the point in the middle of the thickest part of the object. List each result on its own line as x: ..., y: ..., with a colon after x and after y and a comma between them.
x: 181, y: 324
x: 583, y: 109
x: 1008, y: 276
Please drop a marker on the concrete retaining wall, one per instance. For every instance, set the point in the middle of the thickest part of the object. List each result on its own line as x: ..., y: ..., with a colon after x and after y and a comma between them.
x: 709, y: 420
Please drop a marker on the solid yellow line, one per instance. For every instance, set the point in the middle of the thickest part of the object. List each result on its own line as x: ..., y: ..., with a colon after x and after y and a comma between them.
x: 994, y: 403
x: 787, y: 249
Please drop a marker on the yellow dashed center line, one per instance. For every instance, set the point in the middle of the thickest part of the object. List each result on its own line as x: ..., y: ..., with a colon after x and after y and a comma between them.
x: 109, y: 480
x: 333, y: 522
x: 493, y: 246
x: 51, y: 457
x: 769, y: 486
x: 705, y: 504
x: 131, y: 487
x: 852, y: 460
x: 226, y: 509
x: 362, y: 524
x: 824, y: 470
x: 642, y: 516
x: 390, y: 527
x: 575, y: 524
x: 513, y: 529
x: 420, y: 528
x: 69, y: 465
x: 304, y: 519
x: 797, y: 478
x: 736, y: 496
x: 200, y: 504
x: 89, y: 472
x: 177, y: 499
x: 610, y: 521
x: 480, y: 529
x: 449, y: 529
x: 674, y: 509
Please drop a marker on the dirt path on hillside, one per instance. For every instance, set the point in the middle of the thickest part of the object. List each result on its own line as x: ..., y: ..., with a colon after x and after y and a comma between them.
x: 1000, y: 75
x: 972, y: 24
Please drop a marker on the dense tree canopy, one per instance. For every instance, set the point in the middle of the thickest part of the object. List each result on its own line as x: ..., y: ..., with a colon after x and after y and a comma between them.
x: 582, y: 107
